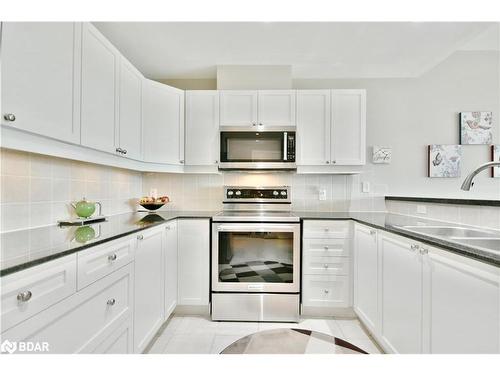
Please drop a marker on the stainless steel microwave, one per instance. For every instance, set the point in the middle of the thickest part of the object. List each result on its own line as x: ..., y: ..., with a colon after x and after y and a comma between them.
x: 257, y: 149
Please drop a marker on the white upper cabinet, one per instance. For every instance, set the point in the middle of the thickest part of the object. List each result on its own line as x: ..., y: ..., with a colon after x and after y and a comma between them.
x: 162, y: 123
x: 400, y: 294
x: 130, y: 116
x: 98, y: 102
x: 461, y: 305
x: 40, y: 61
x: 202, y: 127
x: 366, y: 275
x: 348, y: 135
x: 313, y: 127
x: 238, y: 108
x: 276, y: 108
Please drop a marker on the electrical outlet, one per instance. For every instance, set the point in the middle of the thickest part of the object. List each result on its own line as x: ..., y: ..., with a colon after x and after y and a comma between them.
x: 322, y: 194
x: 365, y: 187
x: 421, y: 209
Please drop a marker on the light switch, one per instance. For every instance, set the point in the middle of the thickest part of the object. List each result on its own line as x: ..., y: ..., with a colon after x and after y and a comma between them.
x: 322, y: 195
x: 365, y: 187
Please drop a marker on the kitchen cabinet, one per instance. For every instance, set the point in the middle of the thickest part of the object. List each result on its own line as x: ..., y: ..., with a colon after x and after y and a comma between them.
x: 400, y: 294
x: 202, y: 127
x: 276, y: 108
x: 366, y: 276
x: 170, y: 267
x: 162, y: 123
x: 40, y: 66
x: 99, y: 76
x: 461, y: 304
x: 334, y: 133
x: 313, y: 127
x: 130, y: 111
x: 149, y: 286
x: 194, y: 261
x: 348, y: 135
x: 252, y: 108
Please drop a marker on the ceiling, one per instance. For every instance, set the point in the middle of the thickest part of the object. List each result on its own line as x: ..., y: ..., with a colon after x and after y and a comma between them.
x: 313, y: 49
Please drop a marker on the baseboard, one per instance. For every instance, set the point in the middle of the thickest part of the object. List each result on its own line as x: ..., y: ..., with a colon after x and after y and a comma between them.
x: 192, y: 309
x: 328, y: 312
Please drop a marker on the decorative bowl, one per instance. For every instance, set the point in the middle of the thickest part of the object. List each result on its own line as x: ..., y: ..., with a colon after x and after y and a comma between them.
x: 152, y: 206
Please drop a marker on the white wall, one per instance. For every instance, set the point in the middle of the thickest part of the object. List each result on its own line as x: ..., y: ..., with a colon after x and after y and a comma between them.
x: 254, y: 77
x: 409, y: 114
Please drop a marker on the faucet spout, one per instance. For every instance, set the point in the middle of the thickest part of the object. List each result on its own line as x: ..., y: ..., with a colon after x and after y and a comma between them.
x: 469, y: 180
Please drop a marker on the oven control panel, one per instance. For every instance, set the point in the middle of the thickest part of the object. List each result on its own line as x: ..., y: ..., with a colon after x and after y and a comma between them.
x: 257, y: 194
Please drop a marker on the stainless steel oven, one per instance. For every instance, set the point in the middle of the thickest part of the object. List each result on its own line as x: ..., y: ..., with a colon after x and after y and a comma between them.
x: 257, y: 149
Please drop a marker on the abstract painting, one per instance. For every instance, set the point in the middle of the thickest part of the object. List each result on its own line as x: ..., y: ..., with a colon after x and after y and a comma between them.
x: 382, y: 155
x: 495, y: 156
x: 444, y: 160
x: 476, y: 128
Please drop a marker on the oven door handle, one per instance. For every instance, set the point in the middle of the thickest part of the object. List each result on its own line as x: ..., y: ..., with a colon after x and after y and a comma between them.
x: 257, y: 227
x: 285, y: 146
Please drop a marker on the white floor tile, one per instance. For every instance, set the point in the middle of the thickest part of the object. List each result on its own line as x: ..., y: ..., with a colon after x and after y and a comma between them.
x: 366, y: 344
x: 317, y: 325
x: 221, y: 342
x: 196, y: 324
x: 352, y: 329
x: 190, y: 344
x: 266, y: 326
x: 237, y: 328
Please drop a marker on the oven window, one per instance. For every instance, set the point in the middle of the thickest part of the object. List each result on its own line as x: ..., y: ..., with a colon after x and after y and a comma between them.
x: 256, y: 257
x: 251, y: 147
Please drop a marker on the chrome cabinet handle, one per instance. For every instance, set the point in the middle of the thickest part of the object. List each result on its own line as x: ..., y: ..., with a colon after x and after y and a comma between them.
x: 120, y: 150
x: 216, y: 162
x: 181, y: 161
x: 112, y: 257
x: 326, y: 247
x: 124, y: 152
x: 327, y: 229
x: 373, y: 232
x: 334, y: 162
x: 328, y: 162
x: 325, y: 265
x: 24, y: 296
x: 326, y: 291
x: 111, y: 302
x: 260, y: 123
x: 9, y: 117
x: 254, y: 124
x: 414, y: 247
x: 140, y: 237
x: 424, y: 251
x: 167, y: 227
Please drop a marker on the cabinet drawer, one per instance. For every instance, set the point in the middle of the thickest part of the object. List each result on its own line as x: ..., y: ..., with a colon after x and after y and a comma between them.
x: 317, y: 265
x: 120, y: 341
x: 326, y: 229
x: 82, y: 322
x: 325, y: 291
x: 43, y: 286
x: 99, y: 261
x: 326, y: 247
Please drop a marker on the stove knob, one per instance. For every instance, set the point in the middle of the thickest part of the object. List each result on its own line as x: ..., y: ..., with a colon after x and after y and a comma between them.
x: 238, y: 193
x: 275, y: 193
x: 230, y: 193
x: 283, y: 192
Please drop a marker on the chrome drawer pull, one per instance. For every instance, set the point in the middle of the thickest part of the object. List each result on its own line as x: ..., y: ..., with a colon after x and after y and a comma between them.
x: 414, y: 247
x: 111, y: 302
x: 424, y: 251
x: 140, y: 237
x: 326, y: 266
x: 112, y: 257
x: 326, y: 291
x: 24, y: 296
x: 326, y: 247
x: 373, y: 232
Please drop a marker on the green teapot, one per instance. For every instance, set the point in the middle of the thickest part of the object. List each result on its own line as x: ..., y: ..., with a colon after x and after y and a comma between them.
x: 84, y: 234
x: 84, y: 209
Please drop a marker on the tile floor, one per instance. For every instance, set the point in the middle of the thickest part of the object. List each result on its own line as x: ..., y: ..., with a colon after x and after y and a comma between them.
x: 196, y: 334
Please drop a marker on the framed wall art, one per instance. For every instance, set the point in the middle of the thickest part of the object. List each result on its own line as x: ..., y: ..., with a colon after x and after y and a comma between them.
x: 444, y: 161
x: 476, y: 128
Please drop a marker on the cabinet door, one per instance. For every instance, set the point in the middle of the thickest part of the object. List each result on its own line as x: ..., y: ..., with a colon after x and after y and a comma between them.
x: 401, y: 295
x: 276, y: 108
x: 461, y: 305
x: 194, y: 261
x: 163, y: 123
x: 170, y: 268
x: 99, y: 77
x: 366, y: 276
x: 130, y: 117
x: 238, y: 108
x: 38, y: 77
x: 202, y: 127
x: 348, y: 135
x: 313, y: 127
x: 149, y: 282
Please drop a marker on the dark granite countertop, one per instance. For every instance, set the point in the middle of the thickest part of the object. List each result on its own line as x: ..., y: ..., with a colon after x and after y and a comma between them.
x: 393, y: 223
x: 27, y: 248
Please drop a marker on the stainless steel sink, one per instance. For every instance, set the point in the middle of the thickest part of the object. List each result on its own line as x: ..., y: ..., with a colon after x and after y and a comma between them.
x: 487, y: 243
x: 449, y: 231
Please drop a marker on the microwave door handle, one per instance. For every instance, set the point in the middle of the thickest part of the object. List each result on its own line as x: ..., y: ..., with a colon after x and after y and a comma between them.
x: 285, y: 140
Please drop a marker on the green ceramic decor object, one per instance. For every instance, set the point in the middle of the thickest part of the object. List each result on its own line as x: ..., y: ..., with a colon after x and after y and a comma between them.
x: 85, y: 209
x: 84, y: 234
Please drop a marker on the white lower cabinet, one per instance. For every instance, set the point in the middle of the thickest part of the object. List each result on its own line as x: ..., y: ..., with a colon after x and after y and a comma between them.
x: 82, y: 322
x: 170, y: 268
x: 148, y: 286
x: 461, y: 304
x: 326, y: 266
x: 400, y: 294
x: 366, y: 275
x: 194, y: 262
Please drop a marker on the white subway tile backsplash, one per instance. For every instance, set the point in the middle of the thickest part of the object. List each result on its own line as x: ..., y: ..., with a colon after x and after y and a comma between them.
x: 40, y: 189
